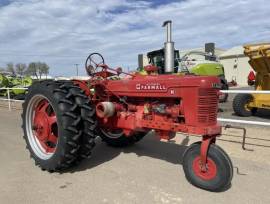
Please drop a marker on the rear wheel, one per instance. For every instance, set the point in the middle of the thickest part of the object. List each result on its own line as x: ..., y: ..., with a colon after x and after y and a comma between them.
x: 117, y: 138
x: 89, y: 123
x: 241, y: 105
x: 219, y: 169
x: 52, y: 125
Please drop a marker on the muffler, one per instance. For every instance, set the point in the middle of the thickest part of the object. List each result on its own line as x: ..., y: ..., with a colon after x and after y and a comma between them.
x: 169, y: 48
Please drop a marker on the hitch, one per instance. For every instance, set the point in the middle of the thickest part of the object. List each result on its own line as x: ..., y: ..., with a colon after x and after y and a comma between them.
x: 244, y: 134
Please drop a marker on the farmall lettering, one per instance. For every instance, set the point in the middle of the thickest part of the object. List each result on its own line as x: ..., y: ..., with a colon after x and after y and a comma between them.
x: 151, y: 86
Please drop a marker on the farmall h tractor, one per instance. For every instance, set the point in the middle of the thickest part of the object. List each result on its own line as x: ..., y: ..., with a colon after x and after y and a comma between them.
x: 61, y: 119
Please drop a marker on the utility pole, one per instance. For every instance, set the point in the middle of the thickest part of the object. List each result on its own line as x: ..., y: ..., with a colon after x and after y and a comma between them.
x: 77, y: 69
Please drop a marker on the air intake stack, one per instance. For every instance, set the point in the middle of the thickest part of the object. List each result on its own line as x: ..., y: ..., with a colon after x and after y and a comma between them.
x: 169, y: 48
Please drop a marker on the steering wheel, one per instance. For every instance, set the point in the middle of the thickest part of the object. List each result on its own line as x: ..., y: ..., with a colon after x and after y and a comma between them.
x: 93, y: 61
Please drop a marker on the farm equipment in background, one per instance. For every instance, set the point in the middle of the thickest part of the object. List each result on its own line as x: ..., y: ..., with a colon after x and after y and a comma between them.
x: 207, y: 67
x: 61, y: 119
x: 3, y: 81
x: 259, y: 58
x: 14, y: 83
x: 19, y: 82
x: 187, y: 64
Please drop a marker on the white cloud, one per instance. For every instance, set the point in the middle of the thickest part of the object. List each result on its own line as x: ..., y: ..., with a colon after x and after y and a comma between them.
x: 120, y: 29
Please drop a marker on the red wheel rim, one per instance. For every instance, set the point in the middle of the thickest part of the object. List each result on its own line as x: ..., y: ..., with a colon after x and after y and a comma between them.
x: 208, y: 174
x: 45, y: 126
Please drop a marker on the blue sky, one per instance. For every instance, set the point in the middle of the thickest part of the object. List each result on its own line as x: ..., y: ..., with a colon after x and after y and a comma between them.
x: 4, y: 2
x: 63, y: 32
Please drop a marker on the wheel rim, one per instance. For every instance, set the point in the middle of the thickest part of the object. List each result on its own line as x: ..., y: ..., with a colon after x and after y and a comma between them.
x: 41, y: 127
x: 247, y: 108
x: 247, y: 105
x: 208, y: 174
x: 113, y: 134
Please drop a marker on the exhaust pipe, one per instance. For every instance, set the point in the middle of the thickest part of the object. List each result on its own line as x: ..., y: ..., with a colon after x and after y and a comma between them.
x: 169, y: 48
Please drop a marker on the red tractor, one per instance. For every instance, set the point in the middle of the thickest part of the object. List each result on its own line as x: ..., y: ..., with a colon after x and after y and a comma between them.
x: 61, y: 119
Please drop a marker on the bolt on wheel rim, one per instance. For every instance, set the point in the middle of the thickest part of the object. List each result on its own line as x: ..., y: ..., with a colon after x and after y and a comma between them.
x: 41, y: 127
x: 208, y: 174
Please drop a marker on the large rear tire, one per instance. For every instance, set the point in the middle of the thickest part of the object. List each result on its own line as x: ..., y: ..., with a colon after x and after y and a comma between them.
x: 89, y: 123
x: 52, y: 125
x: 219, y: 171
x: 240, y: 105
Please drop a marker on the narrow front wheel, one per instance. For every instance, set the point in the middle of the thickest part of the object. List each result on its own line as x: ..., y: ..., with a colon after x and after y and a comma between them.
x: 219, y: 169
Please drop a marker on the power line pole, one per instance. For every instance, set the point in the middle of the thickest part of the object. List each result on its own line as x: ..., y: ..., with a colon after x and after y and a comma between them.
x: 77, y: 69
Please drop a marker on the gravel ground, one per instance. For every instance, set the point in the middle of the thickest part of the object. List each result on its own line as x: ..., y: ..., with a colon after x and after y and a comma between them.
x: 148, y: 172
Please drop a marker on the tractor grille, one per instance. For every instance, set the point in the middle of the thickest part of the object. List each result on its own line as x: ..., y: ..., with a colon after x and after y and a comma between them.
x: 207, y: 106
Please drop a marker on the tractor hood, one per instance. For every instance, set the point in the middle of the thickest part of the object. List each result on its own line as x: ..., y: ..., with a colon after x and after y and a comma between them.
x: 160, y: 85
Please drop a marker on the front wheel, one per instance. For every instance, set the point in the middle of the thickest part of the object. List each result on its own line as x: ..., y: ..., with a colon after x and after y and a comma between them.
x: 219, y: 169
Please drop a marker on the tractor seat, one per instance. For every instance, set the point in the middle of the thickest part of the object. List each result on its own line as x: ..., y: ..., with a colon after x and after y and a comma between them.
x: 151, y: 69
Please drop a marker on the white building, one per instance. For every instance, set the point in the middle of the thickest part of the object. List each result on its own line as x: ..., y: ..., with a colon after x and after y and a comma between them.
x: 236, y: 65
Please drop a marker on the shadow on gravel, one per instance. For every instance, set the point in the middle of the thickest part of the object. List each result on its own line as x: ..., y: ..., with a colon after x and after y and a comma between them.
x: 247, y: 143
x: 263, y: 113
x: 253, y: 139
x: 149, y: 146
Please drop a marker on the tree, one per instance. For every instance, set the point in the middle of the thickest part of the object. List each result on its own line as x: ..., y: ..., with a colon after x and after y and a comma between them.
x: 10, y: 68
x: 20, y: 68
x: 38, y: 69
x: 44, y: 69
x: 32, y: 69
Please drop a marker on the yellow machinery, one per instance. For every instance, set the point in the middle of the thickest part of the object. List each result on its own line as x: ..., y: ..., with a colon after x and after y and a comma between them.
x: 247, y: 104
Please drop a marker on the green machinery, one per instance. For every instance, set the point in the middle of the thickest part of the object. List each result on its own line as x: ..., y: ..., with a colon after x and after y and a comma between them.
x: 14, y: 82
x: 3, y: 81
